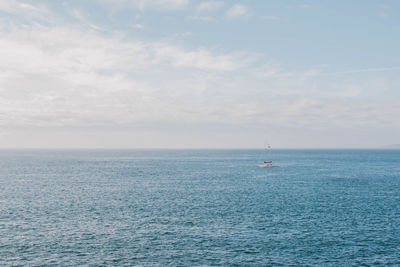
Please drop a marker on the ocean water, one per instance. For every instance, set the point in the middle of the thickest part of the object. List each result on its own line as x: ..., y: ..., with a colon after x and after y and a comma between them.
x: 199, y: 207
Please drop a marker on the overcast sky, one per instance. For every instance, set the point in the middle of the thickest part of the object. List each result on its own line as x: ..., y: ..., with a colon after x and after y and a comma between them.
x: 199, y: 74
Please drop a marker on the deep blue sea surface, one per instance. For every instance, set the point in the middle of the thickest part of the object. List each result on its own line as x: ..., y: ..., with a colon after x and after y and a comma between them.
x: 199, y: 207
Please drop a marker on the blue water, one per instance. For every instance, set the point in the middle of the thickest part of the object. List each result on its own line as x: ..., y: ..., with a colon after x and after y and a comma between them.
x: 185, y: 208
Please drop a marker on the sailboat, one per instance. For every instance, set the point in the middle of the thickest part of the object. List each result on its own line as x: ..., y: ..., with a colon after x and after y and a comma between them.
x: 267, y: 164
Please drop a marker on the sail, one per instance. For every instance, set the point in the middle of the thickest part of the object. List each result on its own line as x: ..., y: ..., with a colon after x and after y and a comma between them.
x: 267, y: 161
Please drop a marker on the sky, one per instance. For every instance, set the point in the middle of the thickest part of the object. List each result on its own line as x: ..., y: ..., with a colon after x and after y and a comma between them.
x: 199, y: 74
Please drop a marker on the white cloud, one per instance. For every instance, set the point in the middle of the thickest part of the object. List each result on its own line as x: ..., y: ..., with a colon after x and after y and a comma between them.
x: 79, y: 16
x: 137, y: 26
x: 181, y: 35
x: 209, y: 6
x: 202, y: 18
x: 11, y: 6
x: 201, y: 59
x: 49, y: 77
x: 236, y: 11
x: 150, y: 4
x: 28, y: 11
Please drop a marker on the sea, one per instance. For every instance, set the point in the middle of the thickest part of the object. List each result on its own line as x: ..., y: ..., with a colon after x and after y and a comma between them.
x: 199, y: 208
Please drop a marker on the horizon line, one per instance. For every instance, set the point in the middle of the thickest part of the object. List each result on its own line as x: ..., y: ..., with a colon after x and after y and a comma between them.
x: 198, y: 148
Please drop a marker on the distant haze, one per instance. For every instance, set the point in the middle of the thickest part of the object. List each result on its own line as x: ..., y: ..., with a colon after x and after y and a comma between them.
x: 396, y: 146
x: 199, y: 74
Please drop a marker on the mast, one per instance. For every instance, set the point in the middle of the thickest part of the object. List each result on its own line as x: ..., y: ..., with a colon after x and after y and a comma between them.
x: 266, y: 153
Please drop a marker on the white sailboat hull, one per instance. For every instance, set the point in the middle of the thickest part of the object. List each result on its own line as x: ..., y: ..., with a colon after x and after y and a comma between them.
x: 267, y: 165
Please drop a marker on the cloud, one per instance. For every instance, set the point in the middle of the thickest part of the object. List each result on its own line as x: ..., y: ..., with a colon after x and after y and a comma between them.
x: 149, y: 4
x: 25, y: 10
x: 13, y: 6
x: 137, y: 26
x: 236, y: 11
x: 202, y: 18
x: 201, y: 59
x: 209, y: 6
x: 49, y: 77
x: 181, y: 35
